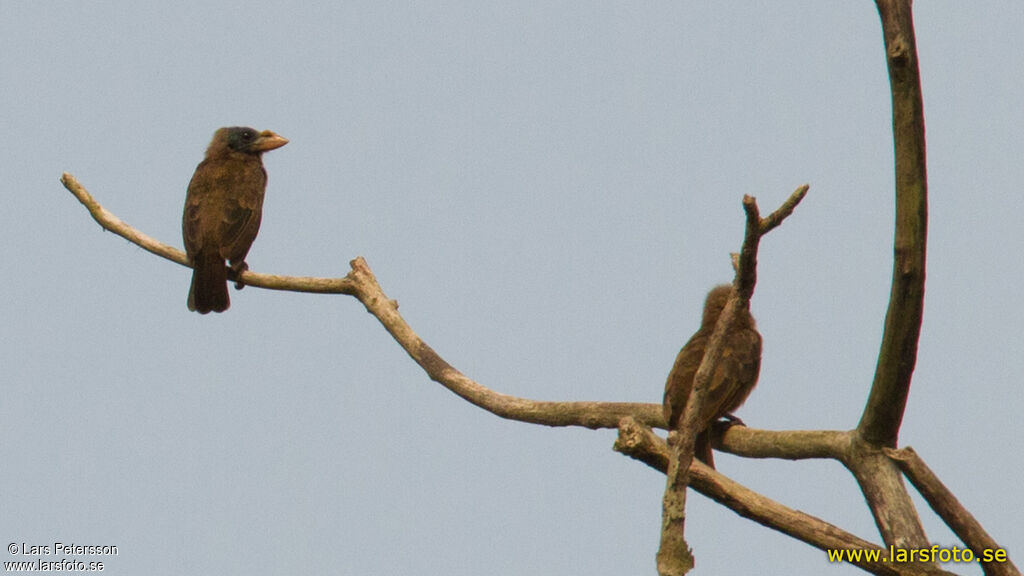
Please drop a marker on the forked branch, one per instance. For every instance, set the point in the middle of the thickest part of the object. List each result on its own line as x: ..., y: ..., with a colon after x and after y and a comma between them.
x: 674, y: 557
x: 639, y: 442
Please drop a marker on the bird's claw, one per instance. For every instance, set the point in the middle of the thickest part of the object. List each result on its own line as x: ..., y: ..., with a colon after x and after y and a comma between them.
x: 238, y: 268
x: 732, y: 420
x: 722, y: 425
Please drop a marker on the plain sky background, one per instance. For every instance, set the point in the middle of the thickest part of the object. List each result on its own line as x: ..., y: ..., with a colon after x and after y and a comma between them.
x: 548, y: 189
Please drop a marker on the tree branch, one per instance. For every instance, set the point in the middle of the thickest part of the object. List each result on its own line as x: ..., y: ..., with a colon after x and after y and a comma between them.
x: 879, y: 480
x: 641, y: 443
x: 775, y: 218
x: 586, y: 414
x: 108, y: 221
x: 114, y: 224
x: 784, y: 444
x: 674, y: 557
x: 362, y: 284
x: 880, y: 422
x: 946, y: 505
x: 886, y: 495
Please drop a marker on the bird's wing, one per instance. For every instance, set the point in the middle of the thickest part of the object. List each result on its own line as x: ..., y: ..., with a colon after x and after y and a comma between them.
x: 238, y: 221
x: 191, y: 225
x: 242, y: 214
x: 680, y: 379
x: 735, y: 376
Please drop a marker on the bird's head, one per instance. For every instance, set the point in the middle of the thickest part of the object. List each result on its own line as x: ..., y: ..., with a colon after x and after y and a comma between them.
x: 717, y: 298
x: 244, y: 140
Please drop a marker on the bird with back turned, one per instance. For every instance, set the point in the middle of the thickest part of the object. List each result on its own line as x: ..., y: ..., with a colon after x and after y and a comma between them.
x: 732, y: 380
x: 223, y: 209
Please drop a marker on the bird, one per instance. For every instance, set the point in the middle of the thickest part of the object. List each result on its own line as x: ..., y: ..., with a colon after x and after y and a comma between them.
x: 733, y: 379
x: 223, y: 209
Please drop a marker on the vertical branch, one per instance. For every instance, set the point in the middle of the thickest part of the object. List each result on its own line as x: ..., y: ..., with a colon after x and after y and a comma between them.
x: 879, y: 479
x: 880, y: 423
x: 674, y: 557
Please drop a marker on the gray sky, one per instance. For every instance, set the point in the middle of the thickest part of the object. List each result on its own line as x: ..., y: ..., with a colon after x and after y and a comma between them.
x: 549, y: 189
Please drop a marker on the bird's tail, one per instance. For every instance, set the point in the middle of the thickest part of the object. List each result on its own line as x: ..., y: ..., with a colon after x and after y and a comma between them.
x: 209, y: 290
x: 702, y: 448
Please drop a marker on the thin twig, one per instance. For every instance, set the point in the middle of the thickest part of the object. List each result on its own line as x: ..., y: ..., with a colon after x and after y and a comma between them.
x: 112, y: 223
x: 771, y: 221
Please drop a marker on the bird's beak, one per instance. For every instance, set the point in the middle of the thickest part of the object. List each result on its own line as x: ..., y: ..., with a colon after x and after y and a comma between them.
x: 269, y: 141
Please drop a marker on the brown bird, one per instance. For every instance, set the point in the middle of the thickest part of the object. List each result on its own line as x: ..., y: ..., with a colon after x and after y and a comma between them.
x: 733, y: 379
x: 223, y: 209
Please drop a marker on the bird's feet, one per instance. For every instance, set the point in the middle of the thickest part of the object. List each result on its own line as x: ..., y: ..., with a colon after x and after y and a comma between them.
x: 238, y: 268
x: 726, y: 422
x: 733, y: 420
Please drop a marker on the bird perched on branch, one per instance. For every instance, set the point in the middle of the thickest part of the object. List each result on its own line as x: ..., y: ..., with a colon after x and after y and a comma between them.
x: 732, y: 380
x: 223, y: 209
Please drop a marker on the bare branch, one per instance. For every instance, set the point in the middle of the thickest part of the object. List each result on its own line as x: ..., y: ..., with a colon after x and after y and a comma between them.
x: 946, y: 505
x: 641, y: 443
x: 880, y: 422
x: 886, y: 495
x: 784, y: 444
x: 879, y: 480
x: 674, y: 557
x: 775, y: 218
x: 362, y: 284
x: 112, y: 223
x: 586, y: 414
